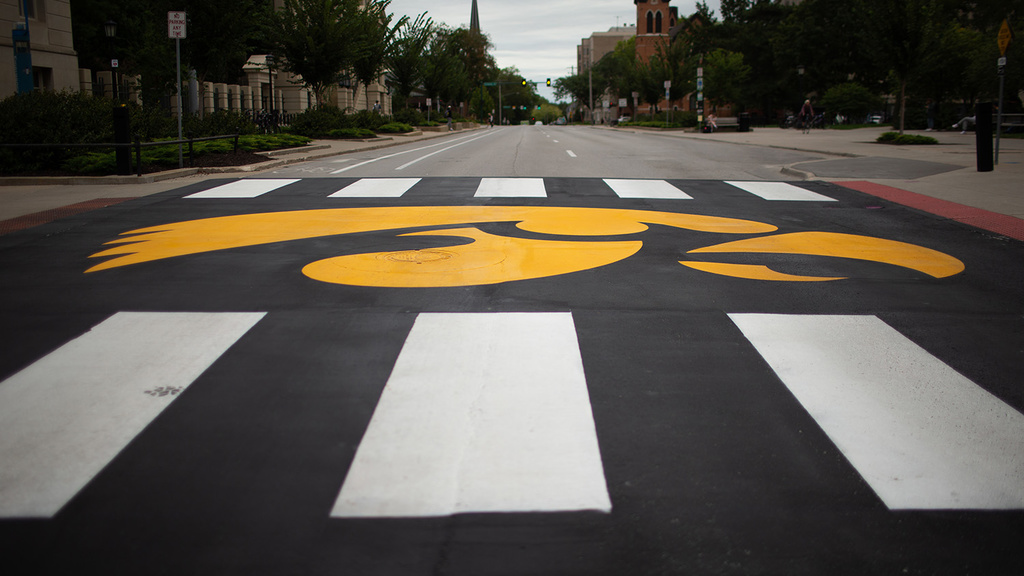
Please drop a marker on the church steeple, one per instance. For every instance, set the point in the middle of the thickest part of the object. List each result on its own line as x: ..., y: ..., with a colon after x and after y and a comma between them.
x: 474, y: 20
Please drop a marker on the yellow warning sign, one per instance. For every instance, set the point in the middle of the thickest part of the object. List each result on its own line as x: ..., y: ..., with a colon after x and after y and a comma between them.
x: 1005, y: 35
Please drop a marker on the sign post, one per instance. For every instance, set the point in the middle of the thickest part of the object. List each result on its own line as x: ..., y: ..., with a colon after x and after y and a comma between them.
x: 176, y: 22
x: 1005, y: 35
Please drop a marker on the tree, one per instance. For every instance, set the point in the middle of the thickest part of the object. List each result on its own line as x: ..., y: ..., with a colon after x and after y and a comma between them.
x: 905, y: 31
x: 443, y: 70
x: 406, y: 60
x: 725, y: 74
x: 575, y: 87
x: 375, y: 41
x: 850, y: 99
x: 317, y: 40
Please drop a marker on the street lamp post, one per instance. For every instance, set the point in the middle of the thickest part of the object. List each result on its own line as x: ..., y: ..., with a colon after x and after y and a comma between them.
x: 270, y: 76
x: 800, y: 73
x: 110, y: 31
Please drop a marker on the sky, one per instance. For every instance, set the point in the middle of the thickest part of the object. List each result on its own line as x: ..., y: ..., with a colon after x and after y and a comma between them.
x: 539, y: 37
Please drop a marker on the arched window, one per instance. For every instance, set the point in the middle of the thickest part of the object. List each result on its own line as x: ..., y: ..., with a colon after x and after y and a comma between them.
x: 657, y: 23
x: 650, y: 22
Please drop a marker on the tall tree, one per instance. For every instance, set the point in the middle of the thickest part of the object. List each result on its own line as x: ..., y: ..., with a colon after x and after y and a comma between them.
x: 406, y: 60
x: 905, y: 30
x: 376, y: 38
x: 317, y: 40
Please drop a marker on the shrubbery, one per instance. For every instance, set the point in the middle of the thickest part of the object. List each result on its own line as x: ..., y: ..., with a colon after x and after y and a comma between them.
x: 104, y: 162
x: 897, y: 138
x: 78, y: 118
x: 351, y: 133
x: 395, y: 128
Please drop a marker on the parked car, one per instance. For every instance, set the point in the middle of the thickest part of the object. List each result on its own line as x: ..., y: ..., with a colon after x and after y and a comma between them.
x: 622, y: 119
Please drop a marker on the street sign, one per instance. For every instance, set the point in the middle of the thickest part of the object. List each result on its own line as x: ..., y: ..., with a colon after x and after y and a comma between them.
x: 1001, y: 65
x: 668, y: 84
x: 700, y: 72
x: 622, y: 103
x: 429, y: 102
x: 490, y: 83
x: 176, y: 25
x: 1005, y: 35
x: 113, y: 63
x: 700, y: 96
x: 700, y: 84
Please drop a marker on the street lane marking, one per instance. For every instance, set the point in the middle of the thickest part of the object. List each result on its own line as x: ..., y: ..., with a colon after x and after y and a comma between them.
x: 65, y: 417
x: 780, y: 191
x: 646, y: 189
x: 372, y: 160
x: 482, y: 413
x: 923, y: 436
x: 245, y: 188
x: 425, y: 156
x: 376, y: 188
x: 570, y: 153
x: 511, y: 188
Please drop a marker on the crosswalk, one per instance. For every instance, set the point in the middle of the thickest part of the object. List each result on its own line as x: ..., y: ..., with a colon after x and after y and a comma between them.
x: 490, y: 412
x: 511, y: 188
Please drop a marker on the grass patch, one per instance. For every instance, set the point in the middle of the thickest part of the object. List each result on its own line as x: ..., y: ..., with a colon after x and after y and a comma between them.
x: 905, y: 139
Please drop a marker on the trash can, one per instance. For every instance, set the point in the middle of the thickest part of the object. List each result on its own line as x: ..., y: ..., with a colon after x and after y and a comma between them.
x: 744, y: 122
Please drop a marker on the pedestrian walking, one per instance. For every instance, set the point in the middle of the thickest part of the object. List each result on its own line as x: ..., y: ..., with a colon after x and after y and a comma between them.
x: 448, y: 116
x: 806, y: 116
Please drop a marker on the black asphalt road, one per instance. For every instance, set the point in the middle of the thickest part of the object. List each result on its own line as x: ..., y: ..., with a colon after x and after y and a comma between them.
x: 711, y: 464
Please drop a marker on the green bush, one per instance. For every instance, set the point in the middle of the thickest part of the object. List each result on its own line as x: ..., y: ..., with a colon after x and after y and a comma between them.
x: 104, y: 162
x: 850, y: 99
x: 351, y: 133
x: 217, y: 123
x: 395, y: 128
x: 410, y: 116
x: 51, y: 118
x: 318, y: 122
x: 367, y: 120
x: 900, y: 139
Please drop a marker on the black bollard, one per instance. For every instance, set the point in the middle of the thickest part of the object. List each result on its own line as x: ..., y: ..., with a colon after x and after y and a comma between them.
x: 122, y: 135
x: 983, y: 136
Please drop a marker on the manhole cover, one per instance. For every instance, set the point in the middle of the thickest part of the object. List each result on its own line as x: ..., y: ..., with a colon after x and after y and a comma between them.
x: 417, y: 256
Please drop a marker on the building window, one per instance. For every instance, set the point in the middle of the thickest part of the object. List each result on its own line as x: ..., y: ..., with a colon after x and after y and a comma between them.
x: 657, y: 23
x: 34, y: 8
x: 42, y: 79
x: 650, y: 22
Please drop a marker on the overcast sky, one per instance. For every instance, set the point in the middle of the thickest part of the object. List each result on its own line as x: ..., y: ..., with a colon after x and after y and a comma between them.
x: 539, y: 37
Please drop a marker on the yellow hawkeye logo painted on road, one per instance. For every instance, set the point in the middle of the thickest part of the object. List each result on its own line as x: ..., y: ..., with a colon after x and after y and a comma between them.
x: 492, y: 259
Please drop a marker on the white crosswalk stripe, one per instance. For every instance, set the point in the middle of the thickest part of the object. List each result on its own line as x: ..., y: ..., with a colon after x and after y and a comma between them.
x: 780, y: 191
x: 376, y: 188
x: 646, y: 189
x: 66, y: 416
x: 251, y: 188
x: 490, y: 412
x: 922, y: 435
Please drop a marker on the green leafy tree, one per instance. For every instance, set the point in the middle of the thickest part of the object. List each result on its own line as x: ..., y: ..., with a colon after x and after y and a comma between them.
x: 375, y: 40
x: 444, y: 72
x: 725, y: 74
x: 905, y: 30
x: 850, y: 99
x: 317, y: 40
x: 407, y: 59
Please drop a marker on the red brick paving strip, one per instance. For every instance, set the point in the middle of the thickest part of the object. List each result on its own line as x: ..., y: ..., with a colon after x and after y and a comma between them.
x: 991, y: 221
x: 30, y: 220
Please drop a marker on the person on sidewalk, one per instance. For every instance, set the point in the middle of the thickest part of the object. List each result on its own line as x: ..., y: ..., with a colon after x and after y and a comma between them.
x: 806, y: 116
x: 448, y: 116
x: 964, y: 122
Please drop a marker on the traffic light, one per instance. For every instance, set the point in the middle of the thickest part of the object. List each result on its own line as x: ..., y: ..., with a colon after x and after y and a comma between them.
x: 549, y: 81
x: 524, y: 82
